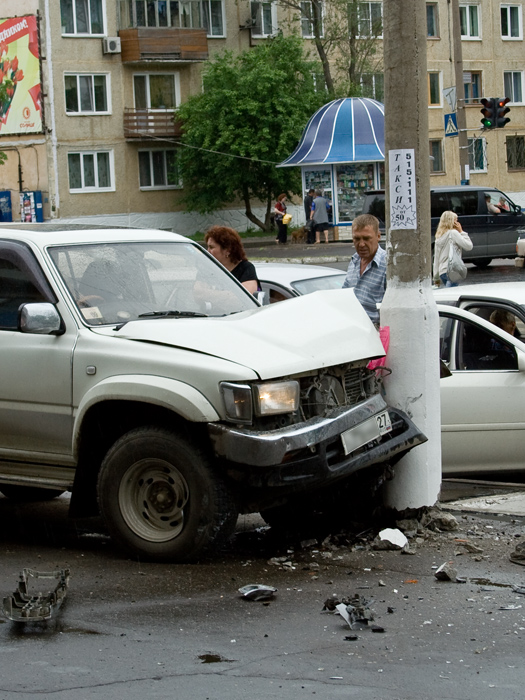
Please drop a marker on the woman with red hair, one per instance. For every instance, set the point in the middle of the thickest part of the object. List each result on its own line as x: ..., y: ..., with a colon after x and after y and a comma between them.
x: 225, y: 244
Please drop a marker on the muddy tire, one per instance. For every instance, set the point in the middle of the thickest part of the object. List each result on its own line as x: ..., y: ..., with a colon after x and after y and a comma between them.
x: 160, y: 498
x: 28, y: 494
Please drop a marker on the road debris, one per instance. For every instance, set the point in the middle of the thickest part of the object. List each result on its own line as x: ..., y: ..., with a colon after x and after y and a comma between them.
x: 446, y: 572
x: 518, y: 555
x: 355, y: 612
x: 435, y: 519
x: 24, y: 606
x: 390, y: 538
x: 257, y: 591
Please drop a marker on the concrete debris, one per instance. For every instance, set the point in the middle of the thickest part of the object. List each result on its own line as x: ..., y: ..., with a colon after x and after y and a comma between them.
x: 390, y: 538
x: 435, y: 519
x: 410, y: 526
x: 257, y: 591
x: 469, y: 546
x: 446, y: 572
x: 409, y: 548
x: 518, y: 555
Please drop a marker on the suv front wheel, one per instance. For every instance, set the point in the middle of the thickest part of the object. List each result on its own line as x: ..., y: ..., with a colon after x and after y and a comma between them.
x: 160, y: 498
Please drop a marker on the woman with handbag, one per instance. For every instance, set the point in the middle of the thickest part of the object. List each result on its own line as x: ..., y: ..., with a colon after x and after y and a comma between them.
x: 449, y: 268
x: 280, y: 212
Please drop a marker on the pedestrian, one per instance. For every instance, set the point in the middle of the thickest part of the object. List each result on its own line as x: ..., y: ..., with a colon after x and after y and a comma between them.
x: 225, y: 244
x: 280, y: 211
x: 366, y: 273
x: 449, y: 232
x: 319, y: 215
x: 309, y: 226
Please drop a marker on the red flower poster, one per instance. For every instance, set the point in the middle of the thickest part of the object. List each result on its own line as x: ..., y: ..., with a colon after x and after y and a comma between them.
x: 20, y: 94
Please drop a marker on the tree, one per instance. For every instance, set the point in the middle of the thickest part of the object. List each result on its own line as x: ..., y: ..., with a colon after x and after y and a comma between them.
x: 345, y: 34
x: 249, y: 117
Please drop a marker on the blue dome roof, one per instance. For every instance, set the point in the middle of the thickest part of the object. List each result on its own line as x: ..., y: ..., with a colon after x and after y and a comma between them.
x: 348, y: 130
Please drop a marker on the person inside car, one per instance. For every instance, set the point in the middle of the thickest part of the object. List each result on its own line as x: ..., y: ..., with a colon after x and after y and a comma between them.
x: 492, y: 208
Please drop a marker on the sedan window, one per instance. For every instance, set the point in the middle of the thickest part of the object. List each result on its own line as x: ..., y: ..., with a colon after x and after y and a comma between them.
x: 477, y: 349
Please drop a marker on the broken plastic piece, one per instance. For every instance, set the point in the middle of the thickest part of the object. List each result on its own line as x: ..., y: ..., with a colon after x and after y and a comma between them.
x: 257, y: 591
x: 23, y: 606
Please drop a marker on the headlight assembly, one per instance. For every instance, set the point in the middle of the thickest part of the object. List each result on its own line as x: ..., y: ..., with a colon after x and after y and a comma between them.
x: 242, y: 401
x: 272, y: 398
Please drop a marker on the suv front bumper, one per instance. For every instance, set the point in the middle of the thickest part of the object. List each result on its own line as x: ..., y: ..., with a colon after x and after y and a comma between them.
x: 312, y: 452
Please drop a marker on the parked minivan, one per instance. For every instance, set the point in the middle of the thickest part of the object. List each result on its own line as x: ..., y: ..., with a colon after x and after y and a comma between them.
x: 493, y: 234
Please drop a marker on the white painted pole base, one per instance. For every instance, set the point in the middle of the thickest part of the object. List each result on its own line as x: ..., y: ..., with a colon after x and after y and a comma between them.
x: 413, y: 356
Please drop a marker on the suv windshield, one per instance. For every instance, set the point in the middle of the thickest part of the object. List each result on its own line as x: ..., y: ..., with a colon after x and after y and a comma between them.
x: 120, y: 282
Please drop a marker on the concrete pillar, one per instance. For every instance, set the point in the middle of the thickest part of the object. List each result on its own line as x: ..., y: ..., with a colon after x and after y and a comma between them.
x: 408, y: 307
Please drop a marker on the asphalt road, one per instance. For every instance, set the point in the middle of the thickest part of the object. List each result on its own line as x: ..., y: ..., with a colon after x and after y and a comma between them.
x: 133, y: 630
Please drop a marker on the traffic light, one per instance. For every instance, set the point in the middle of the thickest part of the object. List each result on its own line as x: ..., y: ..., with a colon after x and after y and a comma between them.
x: 501, y: 111
x: 489, y: 112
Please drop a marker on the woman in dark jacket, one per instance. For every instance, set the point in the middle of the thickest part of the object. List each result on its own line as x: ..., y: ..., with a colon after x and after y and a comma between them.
x: 225, y: 245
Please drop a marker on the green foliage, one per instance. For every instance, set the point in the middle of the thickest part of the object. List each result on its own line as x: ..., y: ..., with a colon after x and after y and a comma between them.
x: 249, y: 117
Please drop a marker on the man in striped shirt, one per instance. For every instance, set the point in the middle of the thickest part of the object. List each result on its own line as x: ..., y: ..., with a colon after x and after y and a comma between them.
x: 367, y: 268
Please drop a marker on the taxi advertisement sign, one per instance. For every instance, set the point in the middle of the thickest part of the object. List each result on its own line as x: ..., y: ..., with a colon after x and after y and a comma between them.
x: 20, y: 94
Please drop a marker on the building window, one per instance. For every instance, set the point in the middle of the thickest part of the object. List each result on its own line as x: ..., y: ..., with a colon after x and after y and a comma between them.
x: 307, y: 19
x: 515, y: 152
x: 472, y: 86
x: 370, y: 19
x: 87, y: 94
x: 158, y: 169
x: 477, y: 155
x: 436, y: 156
x: 432, y: 20
x: 513, y: 85
x: 190, y: 14
x: 469, y: 22
x: 90, y: 171
x: 82, y: 16
x: 264, y: 18
x: 373, y: 85
x: 511, y: 22
x: 157, y: 91
x: 434, y: 91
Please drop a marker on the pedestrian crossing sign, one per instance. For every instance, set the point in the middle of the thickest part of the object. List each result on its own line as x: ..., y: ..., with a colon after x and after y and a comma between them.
x: 451, y: 124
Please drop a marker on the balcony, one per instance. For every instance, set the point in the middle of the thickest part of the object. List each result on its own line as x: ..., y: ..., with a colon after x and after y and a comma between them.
x: 144, y: 124
x: 163, y: 44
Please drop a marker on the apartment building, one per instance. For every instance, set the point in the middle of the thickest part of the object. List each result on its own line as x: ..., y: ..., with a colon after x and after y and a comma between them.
x: 99, y: 142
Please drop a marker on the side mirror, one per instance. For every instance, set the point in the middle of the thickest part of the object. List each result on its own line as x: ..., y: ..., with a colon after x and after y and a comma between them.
x: 40, y: 318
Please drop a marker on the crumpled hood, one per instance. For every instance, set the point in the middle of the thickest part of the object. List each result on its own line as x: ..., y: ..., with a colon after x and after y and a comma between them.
x: 308, y: 332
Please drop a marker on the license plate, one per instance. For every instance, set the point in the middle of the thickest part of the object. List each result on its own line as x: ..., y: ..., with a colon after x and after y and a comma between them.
x: 371, y: 429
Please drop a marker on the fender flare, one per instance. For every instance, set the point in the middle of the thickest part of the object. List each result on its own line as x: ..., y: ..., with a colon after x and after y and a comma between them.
x: 177, y: 396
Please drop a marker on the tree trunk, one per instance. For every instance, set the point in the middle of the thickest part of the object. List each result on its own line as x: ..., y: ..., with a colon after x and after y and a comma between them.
x: 248, y: 210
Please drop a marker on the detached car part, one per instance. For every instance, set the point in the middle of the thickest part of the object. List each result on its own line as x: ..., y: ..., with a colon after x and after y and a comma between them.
x: 24, y: 606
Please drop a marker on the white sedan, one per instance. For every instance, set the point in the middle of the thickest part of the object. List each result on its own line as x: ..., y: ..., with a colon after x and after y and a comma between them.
x: 483, y: 401
x: 286, y: 280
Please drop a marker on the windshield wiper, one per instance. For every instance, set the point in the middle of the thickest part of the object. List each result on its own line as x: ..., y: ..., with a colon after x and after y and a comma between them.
x: 172, y: 314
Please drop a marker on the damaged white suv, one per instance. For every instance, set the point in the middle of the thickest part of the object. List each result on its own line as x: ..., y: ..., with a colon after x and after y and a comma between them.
x: 139, y: 375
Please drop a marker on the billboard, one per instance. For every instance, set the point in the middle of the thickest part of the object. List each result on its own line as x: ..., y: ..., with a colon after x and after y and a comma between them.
x: 20, y: 94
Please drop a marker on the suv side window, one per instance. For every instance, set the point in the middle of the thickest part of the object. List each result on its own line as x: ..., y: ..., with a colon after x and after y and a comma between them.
x: 464, y: 203
x: 21, y: 282
x: 439, y: 202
